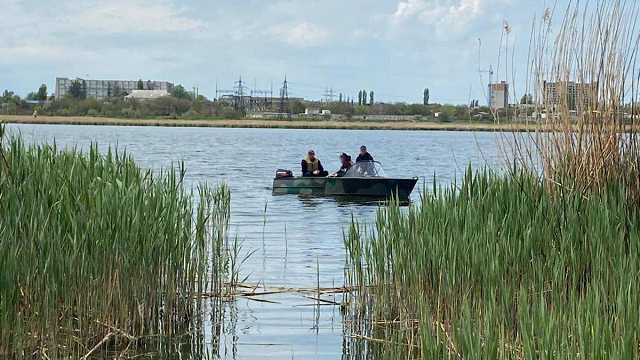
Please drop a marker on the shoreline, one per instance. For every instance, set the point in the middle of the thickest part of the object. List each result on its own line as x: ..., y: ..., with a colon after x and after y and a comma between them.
x: 269, y: 124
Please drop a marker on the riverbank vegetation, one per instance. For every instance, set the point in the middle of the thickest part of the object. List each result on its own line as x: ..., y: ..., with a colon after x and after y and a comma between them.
x: 499, y: 267
x: 201, y: 108
x: 539, y: 260
x: 101, y: 257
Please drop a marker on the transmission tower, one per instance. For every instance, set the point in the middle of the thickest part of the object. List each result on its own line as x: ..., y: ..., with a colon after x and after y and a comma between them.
x: 328, y: 95
x: 284, y: 111
x: 240, y: 103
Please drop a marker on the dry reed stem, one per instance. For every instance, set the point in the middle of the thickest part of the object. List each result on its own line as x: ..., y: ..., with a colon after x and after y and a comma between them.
x: 587, y: 137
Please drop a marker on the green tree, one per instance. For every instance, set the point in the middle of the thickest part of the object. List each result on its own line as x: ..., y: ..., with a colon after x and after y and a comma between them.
x: 360, y: 97
x: 340, y: 98
x: 77, y: 90
x: 371, y: 98
x: 140, y: 85
x: 349, y: 113
x: 109, y: 90
x: 297, y: 107
x: 526, y: 99
x: 364, y: 97
x: 363, y: 110
x: 7, y: 96
x: 42, y: 93
x: 179, y: 92
x: 229, y: 113
x: 425, y: 97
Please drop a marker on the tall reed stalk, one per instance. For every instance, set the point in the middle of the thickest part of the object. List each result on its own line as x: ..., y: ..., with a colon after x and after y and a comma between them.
x: 97, y: 254
x: 587, y: 130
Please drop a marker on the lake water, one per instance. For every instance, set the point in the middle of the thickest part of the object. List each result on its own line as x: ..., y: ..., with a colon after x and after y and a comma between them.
x: 300, y: 234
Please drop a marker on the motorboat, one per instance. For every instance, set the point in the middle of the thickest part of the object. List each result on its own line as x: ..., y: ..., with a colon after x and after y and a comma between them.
x: 363, y: 179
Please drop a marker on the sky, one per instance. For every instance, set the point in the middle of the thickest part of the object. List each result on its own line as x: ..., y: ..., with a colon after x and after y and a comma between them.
x: 395, y: 48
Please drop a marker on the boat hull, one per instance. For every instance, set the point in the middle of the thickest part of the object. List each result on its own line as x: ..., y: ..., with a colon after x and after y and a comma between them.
x: 299, y: 186
x: 373, y: 187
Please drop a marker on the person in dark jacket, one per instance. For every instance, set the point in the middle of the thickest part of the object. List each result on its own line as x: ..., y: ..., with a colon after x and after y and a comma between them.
x: 312, y: 167
x: 346, y: 162
x: 364, y: 155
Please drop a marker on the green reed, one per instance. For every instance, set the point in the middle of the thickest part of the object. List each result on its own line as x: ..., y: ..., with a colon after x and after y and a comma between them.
x: 498, y: 267
x: 96, y: 253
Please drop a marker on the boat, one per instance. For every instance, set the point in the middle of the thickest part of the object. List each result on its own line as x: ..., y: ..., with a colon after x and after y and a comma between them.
x: 363, y: 179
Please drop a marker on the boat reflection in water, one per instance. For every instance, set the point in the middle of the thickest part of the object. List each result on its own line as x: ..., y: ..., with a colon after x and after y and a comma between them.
x: 363, y: 180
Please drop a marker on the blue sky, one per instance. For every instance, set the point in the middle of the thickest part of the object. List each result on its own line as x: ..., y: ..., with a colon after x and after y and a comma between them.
x: 395, y: 48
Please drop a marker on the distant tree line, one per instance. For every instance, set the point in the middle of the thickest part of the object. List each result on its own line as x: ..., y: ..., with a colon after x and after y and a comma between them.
x: 76, y: 103
x: 182, y: 105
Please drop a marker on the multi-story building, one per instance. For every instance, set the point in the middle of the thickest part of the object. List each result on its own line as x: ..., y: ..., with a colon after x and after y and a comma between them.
x: 102, y: 89
x: 575, y: 93
x: 499, y: 95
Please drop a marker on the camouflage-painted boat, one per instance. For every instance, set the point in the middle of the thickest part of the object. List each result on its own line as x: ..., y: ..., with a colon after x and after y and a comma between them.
x: 363, y: 179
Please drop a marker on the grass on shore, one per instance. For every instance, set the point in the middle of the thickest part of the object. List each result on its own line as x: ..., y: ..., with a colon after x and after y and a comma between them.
x: 98, y: 254
x: 281, y: 124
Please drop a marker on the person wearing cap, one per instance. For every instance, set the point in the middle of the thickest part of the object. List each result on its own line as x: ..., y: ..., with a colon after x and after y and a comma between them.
x: 346, y: 162
x: 312, y: 167
x: 364, y: 155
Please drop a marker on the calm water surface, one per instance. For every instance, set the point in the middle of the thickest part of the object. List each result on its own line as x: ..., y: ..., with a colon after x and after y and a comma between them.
x: 301, y: 234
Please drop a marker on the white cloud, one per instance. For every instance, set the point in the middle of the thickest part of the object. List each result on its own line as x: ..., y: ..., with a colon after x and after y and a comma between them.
x: 407, y: 9
x: 132, y: 16
x: 449, y: 18
x: 303, y: 34
x: 31, y: 52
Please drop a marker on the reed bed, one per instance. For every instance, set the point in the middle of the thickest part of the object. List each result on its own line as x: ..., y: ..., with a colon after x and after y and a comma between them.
x: 584, y: 80
x: 497, y: 268
x: 101, y: 257
x: 541, y: 261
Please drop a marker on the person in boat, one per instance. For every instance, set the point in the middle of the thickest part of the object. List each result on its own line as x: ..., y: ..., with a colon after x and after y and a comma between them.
x: 346, y: 162
x: 312, y: 167
x: 364, y: 155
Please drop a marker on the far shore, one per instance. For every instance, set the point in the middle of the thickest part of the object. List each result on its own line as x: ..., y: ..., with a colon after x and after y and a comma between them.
x: 274, y: 124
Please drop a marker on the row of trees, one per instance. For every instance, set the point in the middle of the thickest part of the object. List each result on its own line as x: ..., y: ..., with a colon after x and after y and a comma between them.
x: 447, y: 112
x: 166, y: 107
x: 362, y: 98
x: 77, y: 103
x: 182, y: 105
